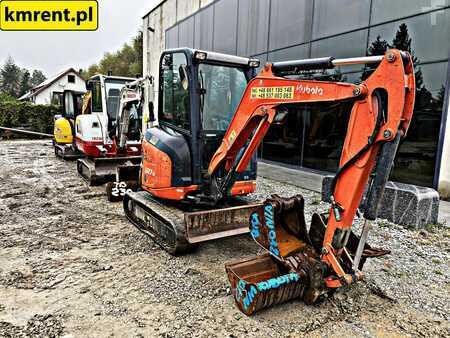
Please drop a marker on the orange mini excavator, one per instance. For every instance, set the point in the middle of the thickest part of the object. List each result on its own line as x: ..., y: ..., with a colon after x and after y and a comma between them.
x: 199, y: 161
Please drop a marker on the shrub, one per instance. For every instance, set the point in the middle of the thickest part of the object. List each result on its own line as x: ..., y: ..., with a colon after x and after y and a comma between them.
x: 16, y: 114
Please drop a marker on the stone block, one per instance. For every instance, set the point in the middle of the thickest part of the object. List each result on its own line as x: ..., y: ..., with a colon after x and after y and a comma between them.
x: 404, y: 204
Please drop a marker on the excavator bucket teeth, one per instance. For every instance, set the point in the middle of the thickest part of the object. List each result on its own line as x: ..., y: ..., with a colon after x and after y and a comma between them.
x: 127, y: 179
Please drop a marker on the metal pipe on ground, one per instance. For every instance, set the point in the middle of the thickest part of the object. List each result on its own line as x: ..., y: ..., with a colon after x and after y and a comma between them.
x: 28, y: 132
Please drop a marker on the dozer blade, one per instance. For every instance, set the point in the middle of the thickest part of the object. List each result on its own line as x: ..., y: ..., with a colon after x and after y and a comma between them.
x: 67, y: 153
x: 97, y: 171
x: 178, y: 232
x: 292, y: 267
x: 127, y: 179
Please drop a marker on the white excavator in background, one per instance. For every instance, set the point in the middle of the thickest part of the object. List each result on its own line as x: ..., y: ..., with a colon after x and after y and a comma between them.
x: 110, y: 135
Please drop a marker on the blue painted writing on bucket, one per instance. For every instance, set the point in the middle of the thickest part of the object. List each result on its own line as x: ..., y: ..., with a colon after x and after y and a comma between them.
x: 268, y: 214
x: 275, y: 283
x: 250, y: 294
x: 254, y: 220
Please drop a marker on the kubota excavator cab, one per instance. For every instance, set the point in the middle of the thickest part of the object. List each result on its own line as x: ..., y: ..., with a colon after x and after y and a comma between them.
x: 64, y: 125
x: 198, y: 94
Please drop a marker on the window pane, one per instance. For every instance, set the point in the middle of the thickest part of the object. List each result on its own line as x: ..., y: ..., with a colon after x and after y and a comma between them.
x: 225, y: 23
x: 283, y: 141
x: 57, y: 99
x: 253, y: 25
x: 203, y: 37
x: 336, y: 16
x: 415, y: 161
x: 186, y: 33
x: 326, y: 126
x: 290, y: 22
x: 113, y: 88
x: 385, y: 10
x: 224, y: 87
x: 96, y: 97
x: 293, y: 53
x: 262, y: 61
x: 69, y: 105
x: 346, y: 45
x: 175, y: 95
x: 429, y: 34
x: 172, y: 37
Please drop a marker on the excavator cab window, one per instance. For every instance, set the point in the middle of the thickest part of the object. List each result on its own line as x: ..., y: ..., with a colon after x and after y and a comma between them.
x: 113, y: 88
x: 73, y: 103
x: 97, y: 105
x: 222, y: 88
x: 175, y: 91
x: 69, y: 105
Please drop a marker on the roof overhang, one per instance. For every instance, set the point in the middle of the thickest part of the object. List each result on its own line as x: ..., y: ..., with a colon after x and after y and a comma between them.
x: 158, y: 4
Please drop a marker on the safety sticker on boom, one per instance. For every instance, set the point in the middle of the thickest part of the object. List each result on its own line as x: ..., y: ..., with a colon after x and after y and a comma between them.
x: 285, y: 93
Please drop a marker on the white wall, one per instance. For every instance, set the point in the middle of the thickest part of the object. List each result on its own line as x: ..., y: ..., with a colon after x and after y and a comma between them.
x: 45, y: 97
x: 163, y: 17
x: 444, y: 176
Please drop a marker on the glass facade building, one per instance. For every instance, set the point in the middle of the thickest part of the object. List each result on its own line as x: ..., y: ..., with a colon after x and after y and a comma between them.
x: 311, y: 136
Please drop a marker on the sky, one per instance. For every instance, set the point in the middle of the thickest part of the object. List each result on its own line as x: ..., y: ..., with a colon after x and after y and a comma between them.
x: 52, y: 52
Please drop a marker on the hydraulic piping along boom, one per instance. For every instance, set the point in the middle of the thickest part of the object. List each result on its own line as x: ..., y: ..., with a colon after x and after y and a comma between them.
x: 381, y: 113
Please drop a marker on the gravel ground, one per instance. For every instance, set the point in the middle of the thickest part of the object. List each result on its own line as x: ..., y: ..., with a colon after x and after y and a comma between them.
x: 72, y: 265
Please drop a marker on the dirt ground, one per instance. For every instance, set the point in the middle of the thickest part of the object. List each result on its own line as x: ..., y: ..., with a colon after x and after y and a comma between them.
x: 72, y: 265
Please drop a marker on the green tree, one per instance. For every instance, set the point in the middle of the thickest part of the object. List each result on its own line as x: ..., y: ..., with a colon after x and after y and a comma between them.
x: 37, y: 78
x: 25, y: 82
x: 402, y: 41
x: 125, y: 62
x: 378, y: 47
x: 10, y: 76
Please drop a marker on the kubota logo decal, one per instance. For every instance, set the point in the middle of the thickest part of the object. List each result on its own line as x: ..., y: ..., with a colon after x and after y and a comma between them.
x: 301, y: 89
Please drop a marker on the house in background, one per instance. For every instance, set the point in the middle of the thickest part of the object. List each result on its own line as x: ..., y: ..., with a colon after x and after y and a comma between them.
x: 51, y: 90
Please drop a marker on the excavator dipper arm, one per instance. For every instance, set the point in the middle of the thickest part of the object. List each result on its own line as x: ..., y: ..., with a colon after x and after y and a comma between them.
x: 381, y: 114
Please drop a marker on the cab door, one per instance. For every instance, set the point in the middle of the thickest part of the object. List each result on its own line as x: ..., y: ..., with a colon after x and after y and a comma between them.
x: 221, y: 88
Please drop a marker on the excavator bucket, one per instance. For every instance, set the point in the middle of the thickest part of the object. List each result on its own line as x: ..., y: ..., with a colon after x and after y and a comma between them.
x: 260, y: 282
x: 292, y: 267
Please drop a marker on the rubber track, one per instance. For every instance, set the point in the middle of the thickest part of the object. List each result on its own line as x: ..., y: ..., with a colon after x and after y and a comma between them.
x: 170, y: 221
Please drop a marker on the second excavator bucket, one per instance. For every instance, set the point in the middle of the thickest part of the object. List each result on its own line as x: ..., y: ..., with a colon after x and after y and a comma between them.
x: 260, y: 282
x: 292, y: 267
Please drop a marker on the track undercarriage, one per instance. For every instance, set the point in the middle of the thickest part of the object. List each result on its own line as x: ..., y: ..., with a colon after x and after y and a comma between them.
x: 178, y: 231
